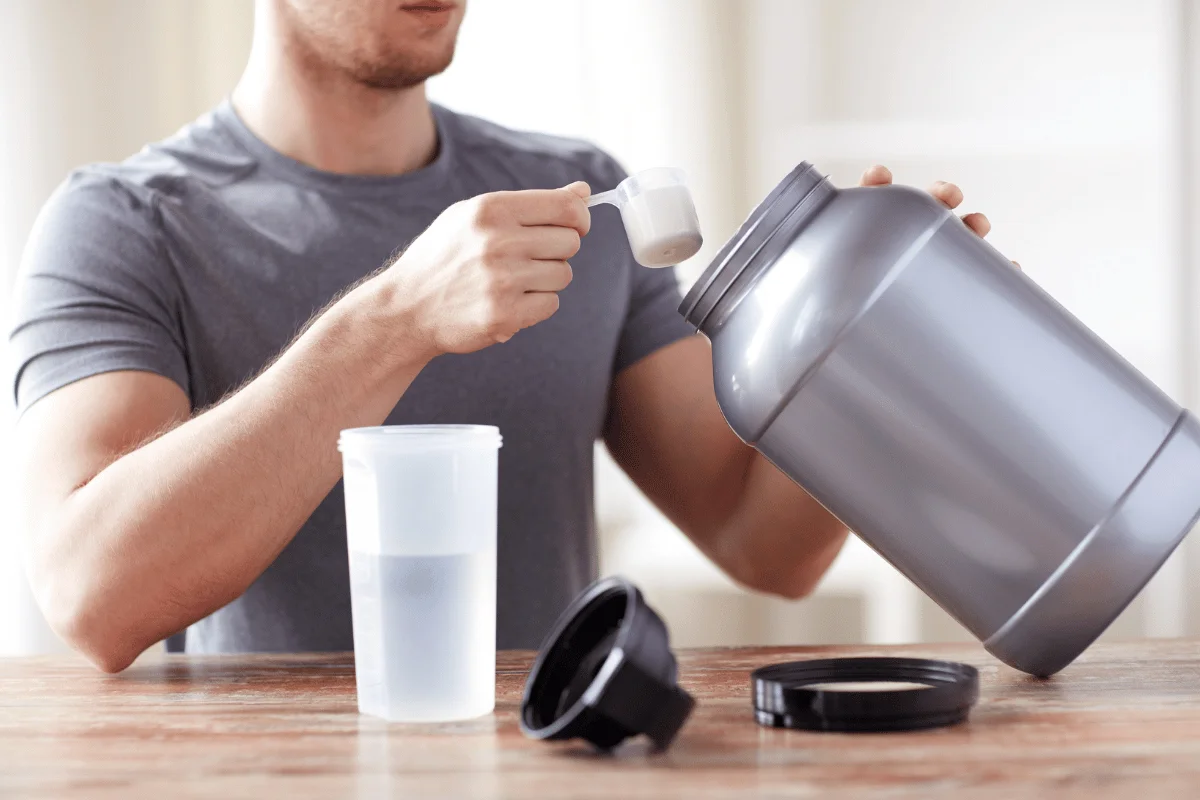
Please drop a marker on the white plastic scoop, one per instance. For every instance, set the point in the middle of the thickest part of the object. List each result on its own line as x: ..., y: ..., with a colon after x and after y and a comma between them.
x: 658, y: 214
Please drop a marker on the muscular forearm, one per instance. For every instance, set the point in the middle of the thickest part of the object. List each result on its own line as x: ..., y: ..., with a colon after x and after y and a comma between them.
x: 777, y: 538
x: 666, y: 430
x: 176, y: 528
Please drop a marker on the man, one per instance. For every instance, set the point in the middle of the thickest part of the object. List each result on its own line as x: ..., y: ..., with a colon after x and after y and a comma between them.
x: 182, y: 393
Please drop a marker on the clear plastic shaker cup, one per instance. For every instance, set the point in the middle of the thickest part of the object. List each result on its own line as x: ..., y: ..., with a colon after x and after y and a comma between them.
x: 658, y: 214
x: 421, y: 530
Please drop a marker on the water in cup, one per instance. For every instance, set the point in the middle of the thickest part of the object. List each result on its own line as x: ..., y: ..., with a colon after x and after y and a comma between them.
x: 442, y: 608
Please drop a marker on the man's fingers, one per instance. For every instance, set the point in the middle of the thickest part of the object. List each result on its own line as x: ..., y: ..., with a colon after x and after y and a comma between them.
x: 579, y: 188
x: 877, y: 175
x: 549, y: 242
x: 536, y: 307
x: 562, y: 207
x: 547, y: 276
x: 978, y: 223
x: 949, y: 194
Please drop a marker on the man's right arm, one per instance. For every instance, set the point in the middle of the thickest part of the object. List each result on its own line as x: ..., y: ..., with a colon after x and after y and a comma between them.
x: 141, y: 519
x: 132, y: 540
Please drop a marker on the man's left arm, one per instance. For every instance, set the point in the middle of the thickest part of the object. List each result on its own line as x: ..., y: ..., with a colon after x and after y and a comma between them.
x: 667, y: 432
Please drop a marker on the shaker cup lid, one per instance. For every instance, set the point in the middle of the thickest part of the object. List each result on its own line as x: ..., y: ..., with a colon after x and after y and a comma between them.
x: 795, y: 694
x: 605, y: 673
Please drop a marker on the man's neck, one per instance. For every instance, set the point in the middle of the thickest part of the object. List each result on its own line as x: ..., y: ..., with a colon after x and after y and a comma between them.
x: 330, y: 122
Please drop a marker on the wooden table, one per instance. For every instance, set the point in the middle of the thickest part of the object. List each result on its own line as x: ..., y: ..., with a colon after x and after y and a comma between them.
x: 1124, y: 721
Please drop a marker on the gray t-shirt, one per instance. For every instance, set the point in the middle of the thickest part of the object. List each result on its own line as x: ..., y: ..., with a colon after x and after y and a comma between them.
x: 202, y: 256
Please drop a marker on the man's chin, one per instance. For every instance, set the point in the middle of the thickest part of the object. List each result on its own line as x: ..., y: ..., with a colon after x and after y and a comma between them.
x: 403, y: 73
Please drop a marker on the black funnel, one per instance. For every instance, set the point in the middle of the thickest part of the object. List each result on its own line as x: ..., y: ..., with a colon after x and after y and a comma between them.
x: 605, y: 673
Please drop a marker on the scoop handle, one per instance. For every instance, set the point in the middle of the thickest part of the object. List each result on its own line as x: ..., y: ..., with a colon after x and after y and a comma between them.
x: 604, y: 197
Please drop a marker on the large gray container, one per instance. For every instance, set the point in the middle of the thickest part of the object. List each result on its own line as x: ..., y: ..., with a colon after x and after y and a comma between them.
x: 946, y: 409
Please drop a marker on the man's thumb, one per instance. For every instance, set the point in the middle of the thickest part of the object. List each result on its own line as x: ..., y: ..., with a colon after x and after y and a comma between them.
x: 580, y: 188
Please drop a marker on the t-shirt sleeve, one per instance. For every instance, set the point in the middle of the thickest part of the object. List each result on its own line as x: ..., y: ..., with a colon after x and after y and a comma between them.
x: 95, y: 292
x: 652, y: 320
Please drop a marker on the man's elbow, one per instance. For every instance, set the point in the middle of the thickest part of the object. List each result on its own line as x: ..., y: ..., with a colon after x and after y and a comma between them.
x: 84, y: 621
x: 83, y: 632
x: 107, y: 659
x: 790, y: 580
x: 790, y: 585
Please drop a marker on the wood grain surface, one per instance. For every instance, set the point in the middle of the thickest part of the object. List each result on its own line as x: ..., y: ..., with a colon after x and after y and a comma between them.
x: 1123, y: 721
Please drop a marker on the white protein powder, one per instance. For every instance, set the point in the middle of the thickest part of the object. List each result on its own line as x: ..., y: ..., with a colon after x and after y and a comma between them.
x: 662, y: 226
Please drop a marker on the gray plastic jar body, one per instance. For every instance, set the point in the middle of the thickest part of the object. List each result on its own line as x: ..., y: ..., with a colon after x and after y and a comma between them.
x: 947, y: 410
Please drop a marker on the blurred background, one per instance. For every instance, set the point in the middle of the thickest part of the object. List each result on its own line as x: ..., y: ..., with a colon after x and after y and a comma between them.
x: 1071, y: 124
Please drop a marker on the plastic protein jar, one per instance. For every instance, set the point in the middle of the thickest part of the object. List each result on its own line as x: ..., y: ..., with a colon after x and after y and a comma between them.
x: 947, y: 410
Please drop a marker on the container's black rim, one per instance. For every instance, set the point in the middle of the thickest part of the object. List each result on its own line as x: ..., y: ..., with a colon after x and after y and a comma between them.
x: 826, y: 725
x: 783, y: 696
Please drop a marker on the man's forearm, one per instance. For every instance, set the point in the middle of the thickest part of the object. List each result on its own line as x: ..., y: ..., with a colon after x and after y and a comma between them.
x: 778, y: 539
x: 667, y: 432
x: 175, y: 529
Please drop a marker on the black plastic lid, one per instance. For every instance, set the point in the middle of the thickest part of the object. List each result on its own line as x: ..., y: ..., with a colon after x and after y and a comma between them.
x: 781, y: 211
x: 606, y: 672
x: 787, y: 696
